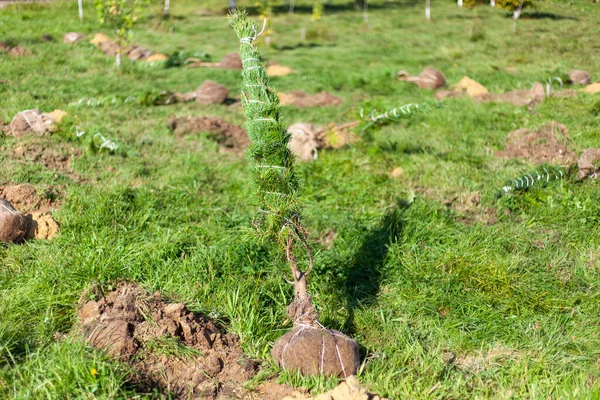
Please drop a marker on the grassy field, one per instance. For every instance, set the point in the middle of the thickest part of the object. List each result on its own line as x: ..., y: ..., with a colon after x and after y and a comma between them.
x: 446, y: 306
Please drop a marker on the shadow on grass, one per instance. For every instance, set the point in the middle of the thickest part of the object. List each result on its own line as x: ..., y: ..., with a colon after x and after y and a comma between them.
x: 542, y: 15
x: 363, y: 277
x: 305, y: 8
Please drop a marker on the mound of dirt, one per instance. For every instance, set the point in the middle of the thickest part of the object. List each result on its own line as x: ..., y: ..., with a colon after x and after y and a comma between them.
x: 14, y: 51
x: 72, y: 37
x: 304, y: 141
x: 138, y: 53
x: 593, y: 88
x: 41, y: 226
x: 302, y: 99
x: 274, y: 70
x: 32, y: 121
x: 430, y: 78
x: 471, y: 87
x: 169, y: 347
x: 589, y: 163
x: 211, y: 92
x: 51, y: 158
x: 230, y: 137
x: 546, y: 145
x: 516, y: 97
x: 350, y: 389
x: 154, y: 57
x: 579, y: 77
x: 24, y: 197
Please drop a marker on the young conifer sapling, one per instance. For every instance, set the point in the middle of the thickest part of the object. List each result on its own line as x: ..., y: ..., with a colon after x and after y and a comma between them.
x: 309, y: 347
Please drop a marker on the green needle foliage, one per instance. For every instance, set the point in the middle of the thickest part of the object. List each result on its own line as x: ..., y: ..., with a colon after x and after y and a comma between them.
x: 272, y: 161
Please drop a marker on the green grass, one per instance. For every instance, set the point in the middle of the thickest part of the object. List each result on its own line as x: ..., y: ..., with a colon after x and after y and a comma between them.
x: 404, y: 276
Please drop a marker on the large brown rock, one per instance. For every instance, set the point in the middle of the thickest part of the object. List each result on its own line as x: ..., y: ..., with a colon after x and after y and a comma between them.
x: 313, y: 350
x: 13, y: 224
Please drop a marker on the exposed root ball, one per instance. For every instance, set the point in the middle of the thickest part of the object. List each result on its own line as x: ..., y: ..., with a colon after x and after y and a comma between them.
x: 579, y: 77
x: 304, y: 142
x: 431, y: 78
x: 211, y: 92
x: 314, y: 350
x: 13, y: 224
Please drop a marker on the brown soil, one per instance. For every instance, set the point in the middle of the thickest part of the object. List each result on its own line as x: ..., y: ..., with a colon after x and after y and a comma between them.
x: 350, y: 389
x: 231, y: 61
x: 480, y: 94
x: 230, y: 137
x: 41, y: 226
x: 54, y: 159
x: 302, y: 99
x: 546, y: 145
x: 469, y: 209
x: 25, y: 198
x: 274, y: 70
x: 169, y: 347
x: 138, y: 53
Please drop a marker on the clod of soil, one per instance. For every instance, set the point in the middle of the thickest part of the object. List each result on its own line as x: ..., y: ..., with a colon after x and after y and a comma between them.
x: 154, y: 57
x: 13, y: 224
x: 99, y: 38
x: 304, y: 141
x: 474, y: 363
x: 274, y: 70
x: 350, y: 389
x: 593, y: 88
x: 517, y: 97
x: 41, y: 226
x: 430, y: 78
x: 169, y: 347
x: 72, y: 37
x: 230, y: 137
x: 336, y: 136
x: 589, y: 163
x: 313, y: 350
x: 546, y: 145
x: 579, y: 77
x: 302, y: 99
x: 211, y: 92
x: 471, y: 87
x: 47, y: 37
x: 32, y: 121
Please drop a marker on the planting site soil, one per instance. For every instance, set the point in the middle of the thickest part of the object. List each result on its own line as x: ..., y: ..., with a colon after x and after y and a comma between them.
x: 294, y: 200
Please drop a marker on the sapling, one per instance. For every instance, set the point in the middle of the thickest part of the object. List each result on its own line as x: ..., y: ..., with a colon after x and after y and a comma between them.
x: 167, y: 8
x: 309, y: 347
x: 124, y: 14
x: 428, y: 10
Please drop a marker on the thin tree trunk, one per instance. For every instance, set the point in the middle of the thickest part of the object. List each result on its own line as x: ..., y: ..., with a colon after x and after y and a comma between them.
x: 492, y: 3
x: 427, y: 10
x: 516, y: 16
x: 366, y: 12
x: 460, y: 3
x: 232, y: 5
x: 291, y: 10
x: 167, y: 6
x: 80, y: 2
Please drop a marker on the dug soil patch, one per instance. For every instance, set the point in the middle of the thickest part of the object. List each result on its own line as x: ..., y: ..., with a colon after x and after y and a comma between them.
x: 302, y: 99
x: 169, y: 347
x: 231, y: 138
x: 469, y: 209
x: 51, y: 158
x: 546, y: 145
